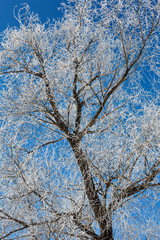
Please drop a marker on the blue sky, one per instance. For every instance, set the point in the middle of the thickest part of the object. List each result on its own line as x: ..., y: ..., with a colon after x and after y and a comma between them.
x: 44, y: 8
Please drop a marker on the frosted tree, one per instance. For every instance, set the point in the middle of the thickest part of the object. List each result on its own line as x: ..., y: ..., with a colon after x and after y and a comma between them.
x: 79, y: 123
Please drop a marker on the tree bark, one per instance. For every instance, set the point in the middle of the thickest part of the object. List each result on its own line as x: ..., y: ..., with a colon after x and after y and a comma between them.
x: 103, y: 217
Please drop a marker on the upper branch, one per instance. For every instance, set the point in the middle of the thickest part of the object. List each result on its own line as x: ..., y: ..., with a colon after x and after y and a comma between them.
x: 79, y: 103
x: 124, y: 77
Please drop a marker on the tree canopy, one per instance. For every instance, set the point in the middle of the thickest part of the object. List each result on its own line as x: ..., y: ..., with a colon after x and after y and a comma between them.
x: 79, y: 118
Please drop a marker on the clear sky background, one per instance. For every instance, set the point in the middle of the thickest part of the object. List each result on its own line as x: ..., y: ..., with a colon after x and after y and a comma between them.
x: 44, y: 8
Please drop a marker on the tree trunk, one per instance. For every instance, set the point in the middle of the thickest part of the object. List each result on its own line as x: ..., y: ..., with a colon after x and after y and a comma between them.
x: 108, y: 233
x: 103, y: 217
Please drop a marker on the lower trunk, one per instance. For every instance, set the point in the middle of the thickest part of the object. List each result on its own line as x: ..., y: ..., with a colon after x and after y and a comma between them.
x: 107, y: 234
x: 102, y: 216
